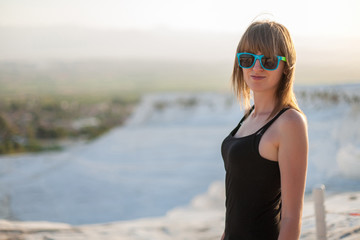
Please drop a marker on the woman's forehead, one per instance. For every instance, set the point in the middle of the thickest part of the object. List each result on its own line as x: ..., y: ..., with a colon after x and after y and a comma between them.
x: 259, y: 45
x: 261, y: 51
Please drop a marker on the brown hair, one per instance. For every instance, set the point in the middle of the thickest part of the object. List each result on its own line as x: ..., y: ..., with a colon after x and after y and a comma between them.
x: 269, y: 38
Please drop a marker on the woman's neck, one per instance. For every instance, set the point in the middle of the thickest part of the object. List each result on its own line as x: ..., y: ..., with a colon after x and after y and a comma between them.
x: 264, y: 104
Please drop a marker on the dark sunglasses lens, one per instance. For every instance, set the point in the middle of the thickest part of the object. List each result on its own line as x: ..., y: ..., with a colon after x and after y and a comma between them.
x: 246, y: 60
x: 269, y: 63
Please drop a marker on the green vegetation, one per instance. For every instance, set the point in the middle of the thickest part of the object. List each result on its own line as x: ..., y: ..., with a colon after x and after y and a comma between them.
x: 28, y: 123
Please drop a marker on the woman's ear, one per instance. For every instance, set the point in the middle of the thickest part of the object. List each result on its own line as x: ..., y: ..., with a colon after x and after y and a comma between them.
x: 286, y: 71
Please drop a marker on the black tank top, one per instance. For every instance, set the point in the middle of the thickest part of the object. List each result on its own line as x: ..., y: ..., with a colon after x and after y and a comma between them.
x: 253, y: 192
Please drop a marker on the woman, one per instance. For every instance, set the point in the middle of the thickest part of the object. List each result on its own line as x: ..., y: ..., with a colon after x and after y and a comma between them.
x: 265, y: 156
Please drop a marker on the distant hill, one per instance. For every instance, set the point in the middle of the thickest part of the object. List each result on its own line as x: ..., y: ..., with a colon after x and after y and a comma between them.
x: 110, y: 77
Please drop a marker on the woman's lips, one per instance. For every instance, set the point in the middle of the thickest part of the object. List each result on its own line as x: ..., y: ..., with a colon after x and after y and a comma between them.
x: 255, y: 77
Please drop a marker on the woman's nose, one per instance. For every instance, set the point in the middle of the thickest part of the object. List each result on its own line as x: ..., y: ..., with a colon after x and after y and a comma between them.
x: 257, y: 65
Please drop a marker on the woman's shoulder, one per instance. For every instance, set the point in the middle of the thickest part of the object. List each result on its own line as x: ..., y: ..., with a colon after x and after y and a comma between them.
x: 292, y: 119
x: 292, y: 114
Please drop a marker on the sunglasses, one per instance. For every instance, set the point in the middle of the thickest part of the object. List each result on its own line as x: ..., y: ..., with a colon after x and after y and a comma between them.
x: 247, y: 60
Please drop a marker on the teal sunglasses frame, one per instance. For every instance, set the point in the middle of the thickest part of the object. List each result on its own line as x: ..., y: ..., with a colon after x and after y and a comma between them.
x: 256, y: 57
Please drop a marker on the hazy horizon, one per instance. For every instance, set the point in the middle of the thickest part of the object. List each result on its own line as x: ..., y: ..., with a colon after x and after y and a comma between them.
x: 317, y: 62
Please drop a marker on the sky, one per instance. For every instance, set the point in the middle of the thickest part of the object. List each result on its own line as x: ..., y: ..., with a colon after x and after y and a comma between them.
x: 323, y: 31
x: 301, y: 17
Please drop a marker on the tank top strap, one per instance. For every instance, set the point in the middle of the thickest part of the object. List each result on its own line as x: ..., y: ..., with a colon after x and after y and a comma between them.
x: 262, y: 130
x: 246, y: 115
x: 241, y: 121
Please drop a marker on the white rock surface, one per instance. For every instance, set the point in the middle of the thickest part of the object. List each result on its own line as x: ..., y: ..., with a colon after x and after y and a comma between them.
x: 203, y: 219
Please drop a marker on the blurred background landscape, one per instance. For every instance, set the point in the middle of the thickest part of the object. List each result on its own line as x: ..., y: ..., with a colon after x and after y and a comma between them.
x: 85, y: 80
x: 55, y: 78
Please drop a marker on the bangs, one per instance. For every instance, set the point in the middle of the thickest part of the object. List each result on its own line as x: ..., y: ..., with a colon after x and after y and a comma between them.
x: 263, y: 39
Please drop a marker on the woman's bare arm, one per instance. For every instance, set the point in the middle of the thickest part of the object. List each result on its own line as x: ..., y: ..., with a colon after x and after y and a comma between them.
x: 293, y: 154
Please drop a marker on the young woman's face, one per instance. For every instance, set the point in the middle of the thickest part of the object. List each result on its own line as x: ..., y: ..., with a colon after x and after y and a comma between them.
x: 260, y: 80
